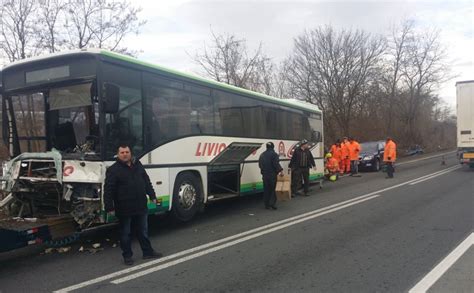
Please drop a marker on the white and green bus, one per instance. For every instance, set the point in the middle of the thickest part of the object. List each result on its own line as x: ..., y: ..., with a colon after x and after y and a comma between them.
x: 65, y: 114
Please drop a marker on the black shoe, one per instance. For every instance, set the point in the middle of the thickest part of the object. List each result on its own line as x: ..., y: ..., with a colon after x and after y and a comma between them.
x: 306, y: 194
x: 128, y: 261
x: 267, y: 207
x: 153, y: 255
x: 296, y: 193
x: 274, y: 207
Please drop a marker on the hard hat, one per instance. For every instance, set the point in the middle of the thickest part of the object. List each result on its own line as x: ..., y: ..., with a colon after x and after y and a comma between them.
x: 328, y: 155
x: 333, y: 178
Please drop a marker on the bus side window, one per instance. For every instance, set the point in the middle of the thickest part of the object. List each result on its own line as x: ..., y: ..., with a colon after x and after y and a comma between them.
x: 125, y: 126
x: 237, y: 115
x: 201, y: 114
x: 169, y: 110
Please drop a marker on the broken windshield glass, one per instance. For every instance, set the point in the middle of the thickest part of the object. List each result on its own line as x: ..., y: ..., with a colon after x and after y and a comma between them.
x: 65, y: 118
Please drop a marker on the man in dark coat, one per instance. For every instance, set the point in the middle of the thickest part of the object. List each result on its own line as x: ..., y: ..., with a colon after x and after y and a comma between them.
x: 269, y: 163
x: 126, y: 188
x: 301, y: 161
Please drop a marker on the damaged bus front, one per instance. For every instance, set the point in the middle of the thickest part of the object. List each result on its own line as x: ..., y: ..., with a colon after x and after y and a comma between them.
x: 53, y: 119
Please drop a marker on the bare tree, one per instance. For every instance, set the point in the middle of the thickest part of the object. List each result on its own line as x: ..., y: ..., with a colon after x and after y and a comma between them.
x: 425, y: 70
x: 333, y: 69
x: 28, y: 27
x: 117, y: 19
x: 50, y: 36
x: 397, y: 55
x: 101, y: 23
x: 17, y: 21
x: 227, y: 60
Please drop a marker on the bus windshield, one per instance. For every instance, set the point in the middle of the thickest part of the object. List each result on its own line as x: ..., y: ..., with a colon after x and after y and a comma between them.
x: 65, y: 118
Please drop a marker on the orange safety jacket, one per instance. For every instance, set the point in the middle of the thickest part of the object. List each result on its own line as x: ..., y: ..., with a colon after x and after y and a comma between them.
x: 354, y: 150
x: 390, y: 151
x: 345, y: 150
x: 337, y: 154
x: 332, y: 165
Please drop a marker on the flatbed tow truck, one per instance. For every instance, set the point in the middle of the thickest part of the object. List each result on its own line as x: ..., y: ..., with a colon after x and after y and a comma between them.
x: 21, y: 232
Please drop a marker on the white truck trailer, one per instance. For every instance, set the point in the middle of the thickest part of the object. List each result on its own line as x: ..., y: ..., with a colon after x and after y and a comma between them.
x: 465, y: 121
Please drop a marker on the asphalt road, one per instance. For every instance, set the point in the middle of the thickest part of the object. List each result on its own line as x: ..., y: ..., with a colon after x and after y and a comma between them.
x: 362, y: 234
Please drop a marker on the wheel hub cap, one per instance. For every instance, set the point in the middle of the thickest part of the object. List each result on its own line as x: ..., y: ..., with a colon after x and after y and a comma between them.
x: 187, y: 195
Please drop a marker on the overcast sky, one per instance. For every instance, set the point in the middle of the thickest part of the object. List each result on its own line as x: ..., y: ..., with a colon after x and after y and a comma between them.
x: 176, y: 29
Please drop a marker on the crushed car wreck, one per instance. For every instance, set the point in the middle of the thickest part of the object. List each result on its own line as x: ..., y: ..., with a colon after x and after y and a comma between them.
x: 62, y: 193
x: 45, y: 184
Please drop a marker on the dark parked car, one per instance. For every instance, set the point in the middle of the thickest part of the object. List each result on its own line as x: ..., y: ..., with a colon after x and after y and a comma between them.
x: 414, y: 150
x: 371, y: 155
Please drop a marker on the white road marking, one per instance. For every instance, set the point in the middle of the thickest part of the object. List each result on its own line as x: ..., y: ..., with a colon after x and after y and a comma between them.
x: 230, y: 238
x: 436, y: 175
x: 443, y: 266
x: 235, y: 242
x: 204, y: 246
x: 425, y: 158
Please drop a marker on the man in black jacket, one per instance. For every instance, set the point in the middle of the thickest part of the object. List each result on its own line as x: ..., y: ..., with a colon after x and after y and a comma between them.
x: 126, y: 188
x: 301, y: 161
x: 269, y: 163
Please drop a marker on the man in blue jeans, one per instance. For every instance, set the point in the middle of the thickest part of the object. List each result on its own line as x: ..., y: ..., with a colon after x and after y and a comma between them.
x: 126, y: 188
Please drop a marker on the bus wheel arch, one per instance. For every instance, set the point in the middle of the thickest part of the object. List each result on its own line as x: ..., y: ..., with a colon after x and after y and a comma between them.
x: 188, y: 195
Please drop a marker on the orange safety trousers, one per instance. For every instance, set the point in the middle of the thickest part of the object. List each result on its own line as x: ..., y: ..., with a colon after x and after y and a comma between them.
x: 345, y: 165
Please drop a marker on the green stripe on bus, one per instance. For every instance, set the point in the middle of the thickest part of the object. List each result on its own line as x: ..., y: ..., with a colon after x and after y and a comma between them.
x: 163, y: 206
x: 251, y: 187
x: 258, y: 186
x: 316, y: 176
x: 197, y: 78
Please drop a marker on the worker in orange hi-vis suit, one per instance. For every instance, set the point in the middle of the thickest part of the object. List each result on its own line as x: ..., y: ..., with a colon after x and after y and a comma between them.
x: 346, y: 162
x: 332, y: 167
x: 354, y: 150
x: 337, y: 155
x: 389, y: 156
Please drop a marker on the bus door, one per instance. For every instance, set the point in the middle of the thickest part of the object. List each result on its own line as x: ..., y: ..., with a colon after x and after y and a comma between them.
x: 224, y: 170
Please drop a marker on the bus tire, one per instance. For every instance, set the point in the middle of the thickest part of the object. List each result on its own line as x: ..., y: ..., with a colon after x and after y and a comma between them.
x: 187, y: 196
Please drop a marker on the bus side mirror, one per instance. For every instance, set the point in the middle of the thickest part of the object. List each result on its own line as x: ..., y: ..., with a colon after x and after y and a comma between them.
x: 316, y: 136
x: 111, y: 98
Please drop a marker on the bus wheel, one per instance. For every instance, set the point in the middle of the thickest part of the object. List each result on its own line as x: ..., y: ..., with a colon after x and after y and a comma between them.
x: 187, y: 197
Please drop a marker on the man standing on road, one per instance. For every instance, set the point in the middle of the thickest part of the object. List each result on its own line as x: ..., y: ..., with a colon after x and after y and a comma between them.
x: 301, y: 161
x: 346, y: 162
x: 126, y: 188
x: 389, y: 156
x: 269, y: 163
x: 354, y: 150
